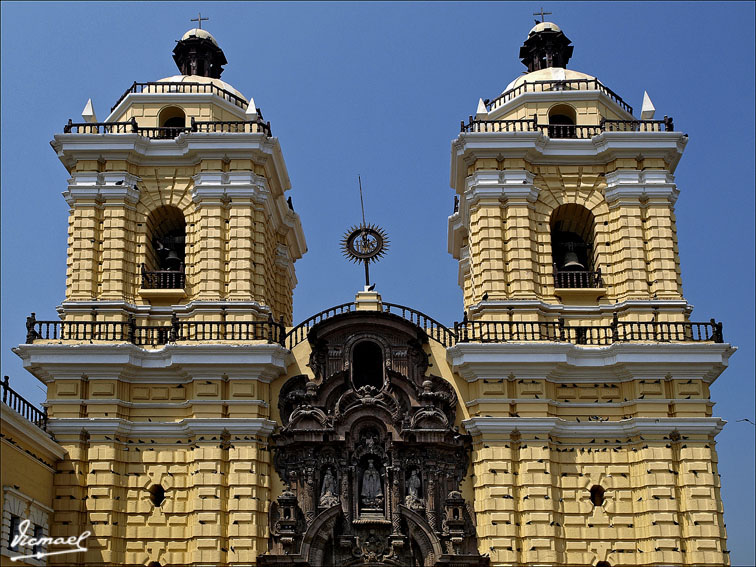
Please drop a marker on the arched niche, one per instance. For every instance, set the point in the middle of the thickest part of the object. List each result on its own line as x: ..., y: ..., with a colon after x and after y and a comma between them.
x: 562, y: 120
x: 573, y: 229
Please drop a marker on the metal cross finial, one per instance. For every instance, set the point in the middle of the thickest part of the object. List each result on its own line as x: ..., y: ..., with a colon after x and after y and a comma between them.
x: 199, y: 19
x: 542, y: 14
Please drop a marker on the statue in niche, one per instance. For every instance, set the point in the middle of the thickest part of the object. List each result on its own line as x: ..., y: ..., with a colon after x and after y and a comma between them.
x: 372, y: 493
x: 370, y: 443
x: 328, y: 493
x: 413, y: 499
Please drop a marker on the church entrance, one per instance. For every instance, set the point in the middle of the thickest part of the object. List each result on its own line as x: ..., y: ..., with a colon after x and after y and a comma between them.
x: 369, y: 455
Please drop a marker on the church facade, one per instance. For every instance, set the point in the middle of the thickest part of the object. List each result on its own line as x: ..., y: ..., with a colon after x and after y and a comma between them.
x: 189, y: 421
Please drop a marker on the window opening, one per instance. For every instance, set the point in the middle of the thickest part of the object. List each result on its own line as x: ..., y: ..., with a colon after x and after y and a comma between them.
x: 15, y: 522
x: 562, y: 119
x: 597, y: 495
x: 367, y: 365
x: 157, y: 494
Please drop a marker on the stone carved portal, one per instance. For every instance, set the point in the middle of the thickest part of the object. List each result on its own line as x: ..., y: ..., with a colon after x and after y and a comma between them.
x: 369, y: 455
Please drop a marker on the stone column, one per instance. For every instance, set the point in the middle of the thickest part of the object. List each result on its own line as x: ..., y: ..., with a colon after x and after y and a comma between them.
x: 430, y: 502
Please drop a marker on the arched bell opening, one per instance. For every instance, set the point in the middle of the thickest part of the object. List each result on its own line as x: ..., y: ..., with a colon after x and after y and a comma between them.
x: 165, y: 255
x: 572, y: 247
x: 172, y: 121
x: 368, y: 368
x: 562, y: 120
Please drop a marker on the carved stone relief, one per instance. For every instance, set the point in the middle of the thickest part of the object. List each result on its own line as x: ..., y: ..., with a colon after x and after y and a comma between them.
x: 372, y: 474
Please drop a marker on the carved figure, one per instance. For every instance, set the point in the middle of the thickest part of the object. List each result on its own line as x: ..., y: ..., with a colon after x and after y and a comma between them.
x: 328, y: 495
x: 413, y: 499
x: 372, y: 492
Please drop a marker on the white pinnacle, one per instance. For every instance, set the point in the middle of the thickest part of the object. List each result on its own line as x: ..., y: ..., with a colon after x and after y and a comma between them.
x: 482, y: 110
x: 88, y: 114
x: 251, y: 110
x: 647, y: 110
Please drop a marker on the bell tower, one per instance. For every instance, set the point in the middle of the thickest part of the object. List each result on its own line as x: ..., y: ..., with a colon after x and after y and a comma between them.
x: 565, y: 200
x: 588, y: 382
x: 178, y: 203
x: 180, y: 272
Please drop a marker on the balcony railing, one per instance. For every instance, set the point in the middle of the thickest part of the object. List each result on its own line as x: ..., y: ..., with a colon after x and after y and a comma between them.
x: 181, y: 88
x: 594, y: 335
x: 550, y: 86
x: 19, y: 404
x: 163, y: 279
x: 577, y: 279
x: 154, y: 335
x: 466, y: 331
x: 169, y: 132
x: 575, y: 131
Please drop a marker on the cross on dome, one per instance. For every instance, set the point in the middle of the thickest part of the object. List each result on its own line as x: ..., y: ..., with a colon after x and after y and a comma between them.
x: 199, y: 19
x: 542, y: 14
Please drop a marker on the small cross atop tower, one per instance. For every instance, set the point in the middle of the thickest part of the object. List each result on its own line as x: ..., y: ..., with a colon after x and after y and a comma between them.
x: 542, y: 14
x: 199, y: 19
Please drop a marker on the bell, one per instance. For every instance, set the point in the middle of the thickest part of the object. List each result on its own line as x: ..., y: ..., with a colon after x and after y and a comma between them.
x: 571, y: 262
x: 172, y: 261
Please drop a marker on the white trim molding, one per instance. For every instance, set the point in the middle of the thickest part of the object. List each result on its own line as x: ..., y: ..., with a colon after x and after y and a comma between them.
x: 630, y: 186
x: 263, y: 362
x: 184, y: 428
x: 624, y: 428
x: 564, y: 362
x: 30, y: 434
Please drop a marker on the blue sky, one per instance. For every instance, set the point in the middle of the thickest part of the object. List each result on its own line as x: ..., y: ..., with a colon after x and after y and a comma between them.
x: 378, y: 90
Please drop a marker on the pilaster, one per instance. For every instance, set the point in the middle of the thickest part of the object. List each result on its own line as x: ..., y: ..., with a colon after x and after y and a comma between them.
x: 498, y: 209
x: 642, y: 233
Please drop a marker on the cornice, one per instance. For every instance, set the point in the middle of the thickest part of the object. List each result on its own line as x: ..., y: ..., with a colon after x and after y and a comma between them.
x: 625, y: 428
x: 537, y: 148
x: 102, y: 186
x: 29, y: 433
x: 265, y: 362
x: 564, y: 362
x: 633, y: 185
x: 183, y: 428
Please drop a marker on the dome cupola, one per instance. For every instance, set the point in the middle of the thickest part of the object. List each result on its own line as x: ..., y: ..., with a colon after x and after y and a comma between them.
x: 546, y: 46
x: 197, y: 53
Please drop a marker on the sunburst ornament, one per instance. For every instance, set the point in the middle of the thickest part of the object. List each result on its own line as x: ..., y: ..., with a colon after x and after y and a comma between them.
x: 365, y: 242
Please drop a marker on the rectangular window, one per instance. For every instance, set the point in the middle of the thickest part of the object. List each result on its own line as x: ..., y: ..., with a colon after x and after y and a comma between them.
x: 15, y: 522
x: 37, y: 535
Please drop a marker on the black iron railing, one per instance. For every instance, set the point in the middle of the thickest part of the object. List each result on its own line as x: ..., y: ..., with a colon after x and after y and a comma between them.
x: 575, y: 131
x: 163, y: 279
x: 25, y: 408
x: 550, y: 86
x: 181, y: 88
x: 72, y: 127
x: 559, y: 331
x: 466, y: 331
x: 169, y: 132
x: 435, y: 330
x: 578, y: 279
x: 299, y: 333
x: 154, y: 335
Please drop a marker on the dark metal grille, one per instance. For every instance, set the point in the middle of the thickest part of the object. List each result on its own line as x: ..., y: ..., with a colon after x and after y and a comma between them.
x: 578, y: 279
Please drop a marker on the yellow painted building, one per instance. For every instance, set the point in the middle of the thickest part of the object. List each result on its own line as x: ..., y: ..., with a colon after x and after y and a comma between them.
x: 565, y: 421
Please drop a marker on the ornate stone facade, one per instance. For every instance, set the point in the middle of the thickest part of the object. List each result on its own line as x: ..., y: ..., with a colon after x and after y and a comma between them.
x: 374, y: 424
